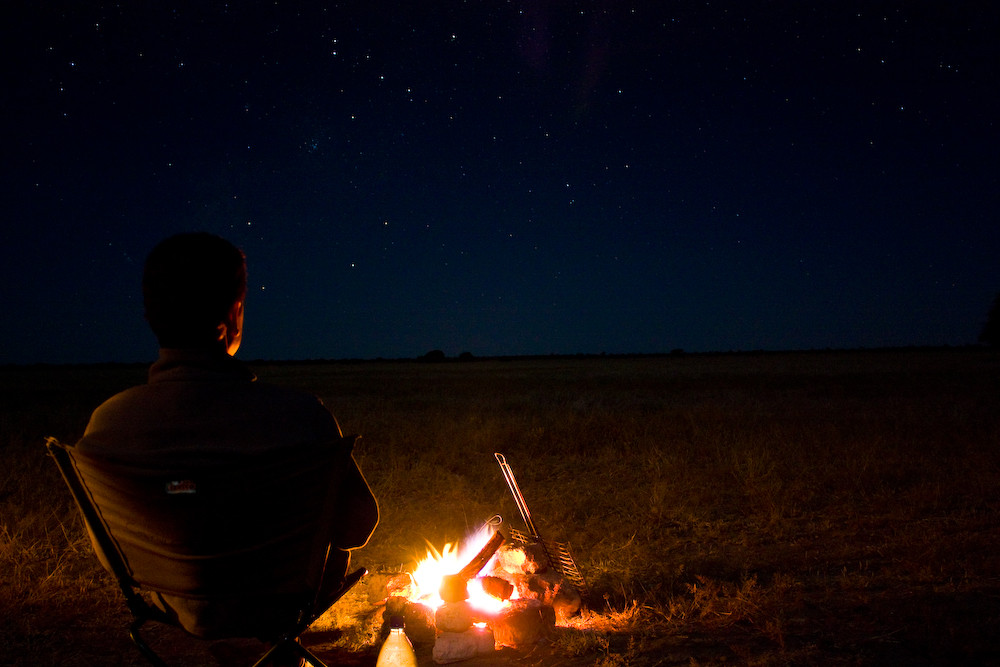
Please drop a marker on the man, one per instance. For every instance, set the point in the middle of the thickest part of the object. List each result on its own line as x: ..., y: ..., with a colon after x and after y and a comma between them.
x: 201, y: 401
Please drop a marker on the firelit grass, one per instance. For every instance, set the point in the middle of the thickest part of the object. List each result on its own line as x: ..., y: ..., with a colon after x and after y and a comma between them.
x: 793, y: 508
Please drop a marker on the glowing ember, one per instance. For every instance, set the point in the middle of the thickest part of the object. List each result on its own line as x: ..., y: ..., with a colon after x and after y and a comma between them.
x: 429, y: 572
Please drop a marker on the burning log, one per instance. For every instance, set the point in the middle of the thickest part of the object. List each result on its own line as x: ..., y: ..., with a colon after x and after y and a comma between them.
x: 483, y: 557
x: 454, y: 587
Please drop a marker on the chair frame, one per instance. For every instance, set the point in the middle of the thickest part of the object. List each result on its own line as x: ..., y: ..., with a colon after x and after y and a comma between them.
x: 142, y: 611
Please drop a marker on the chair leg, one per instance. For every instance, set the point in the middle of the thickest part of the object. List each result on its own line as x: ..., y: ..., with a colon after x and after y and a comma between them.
x: 290, y: 639
x: 141, y: 644
x: 293, y: 646
x: 267, y: 655
x: 308, y: 655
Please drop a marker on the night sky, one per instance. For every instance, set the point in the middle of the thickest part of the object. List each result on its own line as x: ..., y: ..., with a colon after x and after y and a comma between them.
x: 505, y: 178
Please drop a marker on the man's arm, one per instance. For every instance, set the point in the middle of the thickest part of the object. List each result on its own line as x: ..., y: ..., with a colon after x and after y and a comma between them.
x: 357, y: 509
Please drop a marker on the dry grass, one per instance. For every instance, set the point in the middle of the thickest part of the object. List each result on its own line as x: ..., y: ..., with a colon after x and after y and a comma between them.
x: 800, y: 508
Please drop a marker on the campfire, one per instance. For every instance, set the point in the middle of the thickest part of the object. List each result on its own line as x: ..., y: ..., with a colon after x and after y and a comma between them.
x: 489, y: 591
x: 452, y: 575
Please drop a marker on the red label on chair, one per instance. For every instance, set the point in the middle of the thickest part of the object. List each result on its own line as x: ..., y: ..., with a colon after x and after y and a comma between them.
x: 181, y: 486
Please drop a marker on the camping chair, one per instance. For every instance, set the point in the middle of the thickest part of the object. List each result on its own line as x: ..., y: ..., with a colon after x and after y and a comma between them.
x: 249, y: 532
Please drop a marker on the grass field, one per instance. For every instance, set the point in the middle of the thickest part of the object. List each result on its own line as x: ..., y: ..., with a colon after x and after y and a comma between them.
x: 834, y: 508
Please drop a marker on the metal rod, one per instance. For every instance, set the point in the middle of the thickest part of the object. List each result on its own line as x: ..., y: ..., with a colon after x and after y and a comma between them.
x: 515, y: 491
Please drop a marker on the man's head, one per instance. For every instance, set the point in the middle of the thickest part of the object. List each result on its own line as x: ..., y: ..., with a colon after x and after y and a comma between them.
x: 193, y: 287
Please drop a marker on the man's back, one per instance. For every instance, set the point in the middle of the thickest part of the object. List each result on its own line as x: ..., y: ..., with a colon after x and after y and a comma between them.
x: 202, y: 407
x: 207, y: 402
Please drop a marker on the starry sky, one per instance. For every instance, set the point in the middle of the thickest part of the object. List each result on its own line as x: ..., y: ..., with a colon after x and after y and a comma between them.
x: 505, y: 178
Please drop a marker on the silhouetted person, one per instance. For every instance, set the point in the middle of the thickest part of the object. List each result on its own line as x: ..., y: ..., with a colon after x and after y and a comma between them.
x: 200, y: 400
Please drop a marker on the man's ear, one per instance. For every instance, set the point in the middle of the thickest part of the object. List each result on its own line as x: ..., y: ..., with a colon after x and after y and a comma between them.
x: 234, y: 327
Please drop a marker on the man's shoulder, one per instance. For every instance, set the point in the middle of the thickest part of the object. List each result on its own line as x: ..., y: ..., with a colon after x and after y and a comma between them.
x: 276, y: 396
x: 127, y: 400
x: 249, y: 411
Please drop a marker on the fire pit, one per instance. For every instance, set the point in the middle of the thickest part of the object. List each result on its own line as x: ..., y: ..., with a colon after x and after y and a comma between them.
x: 493, y: 591
x: 505, y: 594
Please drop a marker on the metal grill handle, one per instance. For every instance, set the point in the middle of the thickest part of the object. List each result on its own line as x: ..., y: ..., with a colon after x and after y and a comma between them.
x: 515, y: 491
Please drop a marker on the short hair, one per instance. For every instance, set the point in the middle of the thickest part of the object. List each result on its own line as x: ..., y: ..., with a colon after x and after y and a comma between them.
x: 189, y: 284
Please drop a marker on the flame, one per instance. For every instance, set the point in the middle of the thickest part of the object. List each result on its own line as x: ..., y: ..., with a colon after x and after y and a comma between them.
x: 429, y: 572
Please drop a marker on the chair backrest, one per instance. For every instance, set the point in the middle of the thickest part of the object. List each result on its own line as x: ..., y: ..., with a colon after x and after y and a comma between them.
x: 211, y: 526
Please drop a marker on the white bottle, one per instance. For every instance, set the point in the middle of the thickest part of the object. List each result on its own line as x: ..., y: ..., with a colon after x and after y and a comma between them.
x: 397, y: 651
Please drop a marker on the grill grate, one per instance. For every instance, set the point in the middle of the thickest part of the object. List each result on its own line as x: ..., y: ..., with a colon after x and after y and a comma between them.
x: 557, y: 553
x: 560, y: 559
